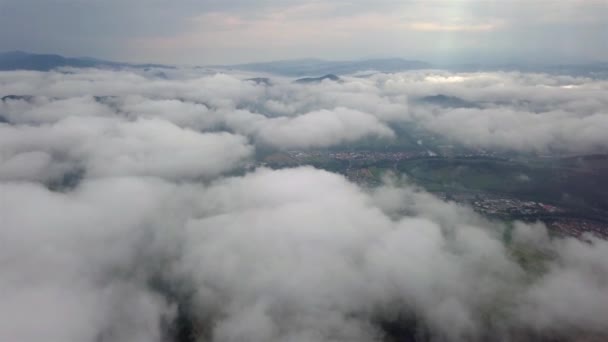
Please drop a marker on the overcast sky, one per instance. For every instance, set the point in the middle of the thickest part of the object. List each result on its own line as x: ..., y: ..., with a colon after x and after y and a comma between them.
x: 234, y: 31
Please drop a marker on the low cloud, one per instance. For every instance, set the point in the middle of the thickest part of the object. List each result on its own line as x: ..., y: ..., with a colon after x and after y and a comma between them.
x: 104, y: 147
x: 165, y: 234
x: 528, y: 112
x: 275, y: 255
x: 320, y: 128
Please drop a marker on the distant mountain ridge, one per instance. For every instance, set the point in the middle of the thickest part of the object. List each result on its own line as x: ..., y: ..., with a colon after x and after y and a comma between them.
x: 19, y: 60
x: 447, y: 101
x: 298, y: 68
x: 311, y: 66
x: 306, y: 80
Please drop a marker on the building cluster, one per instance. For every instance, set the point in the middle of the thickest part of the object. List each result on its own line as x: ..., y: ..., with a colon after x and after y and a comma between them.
x: 363, y: 176
x: 304, y: 155
x: 578, y: 227
x: 368, y: 156
x: 379, y: 156
x: 515, y: 208
x: 558, y: 219
x: 511, y: 206
x: 499, y: 206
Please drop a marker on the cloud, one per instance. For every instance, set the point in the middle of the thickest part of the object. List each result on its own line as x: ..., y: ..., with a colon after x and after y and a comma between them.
x: 275, y: 255
x: 439, y: 27
x: 220, y: 32
x: 295, y: 116
x: 514, y: 111
x: 508, y: 111
x: 62, y: 266
x: 165, y: 233
x: 314, y: 129
x: 108, y: 147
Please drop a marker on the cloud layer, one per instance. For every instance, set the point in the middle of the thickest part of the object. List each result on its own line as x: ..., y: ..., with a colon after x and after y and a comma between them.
x: 126, y: 213
x: 505, y: 111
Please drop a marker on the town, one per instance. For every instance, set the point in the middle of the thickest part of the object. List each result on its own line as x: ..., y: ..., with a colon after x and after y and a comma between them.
x: 368, y: 169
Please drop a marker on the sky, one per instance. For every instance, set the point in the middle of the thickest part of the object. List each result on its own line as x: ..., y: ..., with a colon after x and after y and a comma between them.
x: 236, y: 31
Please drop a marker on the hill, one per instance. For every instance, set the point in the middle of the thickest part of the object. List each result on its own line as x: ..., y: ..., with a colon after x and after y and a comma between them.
x: 307, y: 67
x: 307, y: 80
x: 19, y: 60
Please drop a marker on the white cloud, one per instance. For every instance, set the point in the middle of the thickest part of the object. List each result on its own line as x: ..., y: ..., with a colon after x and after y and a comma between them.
x: 518, y: 111
x: 105, y: 147
x: 314, y: 129
x: 272, y: 255
x: 275, y: 255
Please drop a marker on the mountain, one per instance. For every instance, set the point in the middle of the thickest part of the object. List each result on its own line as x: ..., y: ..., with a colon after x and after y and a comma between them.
x: 19, y: 60
x: 307, y: 67
x: 260, y: 80
x: 318, y: 79
x: 26, y: 98
x: 447, y: 101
